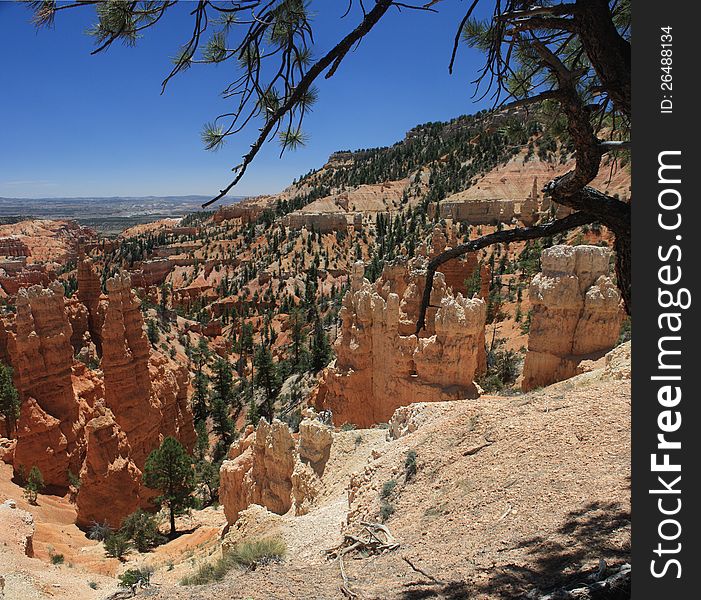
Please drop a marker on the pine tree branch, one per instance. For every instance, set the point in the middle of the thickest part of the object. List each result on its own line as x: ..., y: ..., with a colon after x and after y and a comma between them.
x: 498, y: 237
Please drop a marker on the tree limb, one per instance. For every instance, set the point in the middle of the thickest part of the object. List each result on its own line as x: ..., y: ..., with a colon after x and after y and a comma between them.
x: 505, y: 235
x: 333, y: 57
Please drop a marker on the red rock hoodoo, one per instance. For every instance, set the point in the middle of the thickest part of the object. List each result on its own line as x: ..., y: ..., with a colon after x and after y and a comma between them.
x: 382, y: 365
x: 97, y: 424
x: 576, y: 313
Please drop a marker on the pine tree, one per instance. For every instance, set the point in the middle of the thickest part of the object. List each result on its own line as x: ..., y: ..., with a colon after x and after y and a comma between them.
x: 200, y: 396
x: 34, y: 485
x: 267, y: 378
x: 152, y: 332
x: 202, y: 442
x: 169, y: 470
x: 321, y: 349
x: 223, y: 425
x: 9, y: 399
x: 297, y: 334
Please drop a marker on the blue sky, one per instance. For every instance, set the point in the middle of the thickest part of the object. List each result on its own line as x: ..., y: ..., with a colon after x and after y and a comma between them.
x: 72, y: 124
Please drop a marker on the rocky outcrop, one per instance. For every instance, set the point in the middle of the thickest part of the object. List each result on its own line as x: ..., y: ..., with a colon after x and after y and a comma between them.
x: 110, y: 480
x: 319, y: 221
x: 382, y: 365
x: 576, y: 313
x: 125, y: 364
x: 98, y: 425
x: 145, y: 398
x: 12, y: 245
x: 259, y: 470
x: 89, y: 294
x: 17, y: 526
x: 314, y: 444
x: 41, y: 355
x: 266, y: 467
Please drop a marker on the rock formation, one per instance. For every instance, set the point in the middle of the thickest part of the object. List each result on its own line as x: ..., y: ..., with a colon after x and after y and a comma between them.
x: 125, y: 357
x: 318, y: 221
x: 382, y: 365
x: 266, y: 467
x: 12, y: 245
x: 99, y: 425
x: 576, y: 313
x: 145, y: 397
x: 42, y: 356
x: 17, y: 526
x: 110, y: 480
x: 89, y: 294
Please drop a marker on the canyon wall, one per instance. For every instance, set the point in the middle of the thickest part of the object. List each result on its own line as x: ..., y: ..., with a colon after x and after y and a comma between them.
x: 321, y: 222
x: 381, y: 364
x: 576, y: 313
x: 41, y: 356
x: 98, y: 425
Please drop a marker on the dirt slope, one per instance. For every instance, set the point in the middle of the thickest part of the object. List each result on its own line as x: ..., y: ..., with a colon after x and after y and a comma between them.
x: 511, y: 494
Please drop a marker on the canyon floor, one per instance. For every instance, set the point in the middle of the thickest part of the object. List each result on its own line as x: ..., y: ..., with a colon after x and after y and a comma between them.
x: 512, y: 494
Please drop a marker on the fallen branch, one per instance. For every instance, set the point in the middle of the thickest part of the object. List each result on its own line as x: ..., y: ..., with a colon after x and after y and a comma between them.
x: 421, y: 571
x: 379, y: 541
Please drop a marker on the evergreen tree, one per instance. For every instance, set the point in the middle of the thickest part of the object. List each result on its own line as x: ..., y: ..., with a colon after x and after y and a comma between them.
x: 267, y: 378
x: 152, y: 332
x: 321, y: 349
x: 202, y: 442
x: 34, y: 485
x: 297, y: 335
x: 169, y: 470
x: 142, y: 529
x: 223, y: 381
x: 207, y: 477
x: 9, y: 399
x: 200, y: 396
x: 222, y: 423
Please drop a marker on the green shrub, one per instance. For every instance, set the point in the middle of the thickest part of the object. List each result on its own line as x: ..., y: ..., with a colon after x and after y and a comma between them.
x: 347, y: 427
x: 410, y: 465
x: 73, y: 479
x: 386, y: 511
x: 34, y: 486
x: 56, y: 559
x: 141, y: 575
x: 245, y: 554
x: 142, y: 529
x: 117, y: 546
x: 92, y: 585
x: 388, y: 488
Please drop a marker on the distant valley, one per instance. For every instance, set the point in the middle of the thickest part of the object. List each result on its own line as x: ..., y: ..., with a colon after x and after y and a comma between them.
x: 108, y: 215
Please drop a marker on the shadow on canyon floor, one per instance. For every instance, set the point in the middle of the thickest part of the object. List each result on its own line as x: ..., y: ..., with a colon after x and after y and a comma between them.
x: 584, y: 538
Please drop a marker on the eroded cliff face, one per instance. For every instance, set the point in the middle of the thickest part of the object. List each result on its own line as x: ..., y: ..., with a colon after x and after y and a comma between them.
x: 145, y: 400
x: 576, y: 313
x: 269, y: 468
x: 110, y: 480
x: 381, y: 364
x: 97, y: 424
x: 90, y: 294
x: 51, y: 415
